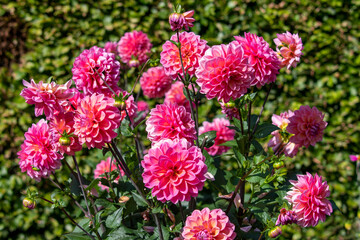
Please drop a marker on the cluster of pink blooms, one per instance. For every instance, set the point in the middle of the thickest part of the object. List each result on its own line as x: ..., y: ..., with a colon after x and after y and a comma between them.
x: 106, y: 166
x: 155, y: 83
x: 208, y: 224
x: 303, y: 127
x: 223, y: 134
x: 308, y: 198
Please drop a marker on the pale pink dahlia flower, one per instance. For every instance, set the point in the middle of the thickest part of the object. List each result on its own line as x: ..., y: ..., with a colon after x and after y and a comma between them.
x: 95, y: 120
x: 223, y: 134
x: 192, y: 49
x: 289, y: 47
x: 261, y: 57
x: 155, y: 83
x: 38, y: 155
x: 286, y: 217
x: 176, y: 96
x: 224, y: 72
x: 106, y: 167
x: 308, y: 198
x: 111, y: 47
x: 63, y: 123
x: 49, y: 98
x: 134, y: 45
x: 174, y: 170
x: 280, y: 142
x: 208, y: 224
x: 354, y: 158
x: 170, y: 121
x: 92, y: 68
x: 307, y: 125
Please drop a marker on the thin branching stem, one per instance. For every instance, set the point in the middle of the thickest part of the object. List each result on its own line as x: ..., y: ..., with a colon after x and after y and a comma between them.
x: 156, y: 217
x: 182, y: 213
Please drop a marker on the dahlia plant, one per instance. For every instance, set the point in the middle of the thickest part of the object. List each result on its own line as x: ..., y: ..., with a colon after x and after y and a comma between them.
x: 198, y: 164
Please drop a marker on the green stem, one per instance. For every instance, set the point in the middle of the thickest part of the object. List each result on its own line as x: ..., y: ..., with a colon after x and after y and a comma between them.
x: 158, y: 225
x: 182, y: 213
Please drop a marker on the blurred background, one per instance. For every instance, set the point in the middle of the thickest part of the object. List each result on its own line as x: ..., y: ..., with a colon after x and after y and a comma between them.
x: 40, y: 39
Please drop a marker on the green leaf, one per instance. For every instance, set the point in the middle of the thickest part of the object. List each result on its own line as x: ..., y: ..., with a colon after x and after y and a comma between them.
x: 257, y: 146
x: 122, y: 233
x: 211, y: 135
x: 114, y: 220
x: 77, y: 236
x: 125, y: 128
x: 255, y: 179
x: 175, y: 43
x: 239, y: 157
x: 93, y: 184
x: 265, y: 130
x: 231, y: 143
x: 139, y: 200
x: 209, y: 161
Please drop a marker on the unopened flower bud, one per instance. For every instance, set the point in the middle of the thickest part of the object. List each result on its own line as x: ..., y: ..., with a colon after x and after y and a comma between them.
x: 279, y: 165
x: 29, y: 203
x: 120, y: 104
x: 134, y: 63
x: 124, y: 199
x: 229, y: 104
x: 64, y: 141
x: 276, y: 231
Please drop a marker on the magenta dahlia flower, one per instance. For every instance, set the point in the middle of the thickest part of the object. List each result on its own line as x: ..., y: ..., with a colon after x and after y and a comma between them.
x: 95, y: 120
x: 224, y: 72
x: 63, y: 123
x: 111, y: 47
x: 192, y: 49
x: 174, y: 170
x: 38, y: 155
x: 308, y: 198
x: 92, y: 68
x: 261, y: 57
x: 104, y: 166
x: 354, y: 158
x: 223, y: 134
x: 286, y: 217
x: 134, y: 45
x: 170, y: 121
x: 289, y: 47
x: 176, y: 96
x: 307, y: 124
x: 49, y: 98
x: 208, y: 224
x: 280, y: 142
x: 155, y: 83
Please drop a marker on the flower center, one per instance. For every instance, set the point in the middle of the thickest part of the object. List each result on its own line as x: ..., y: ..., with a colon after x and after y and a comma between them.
x: 203, y: 235
x: 314, y: 129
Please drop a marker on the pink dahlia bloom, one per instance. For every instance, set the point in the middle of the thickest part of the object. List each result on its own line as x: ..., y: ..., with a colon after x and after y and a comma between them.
x: 307, y: 124
x: 308, y: 198
x: 223, y: 134
x: 63, y: 123
x: 261, y: 57
x: 192, y: 49
x: 170, y: 121
x: 134, y: 45
x: 95, y: 120
x: 92, y: 68
x: 38, y: 155
x: 177, y: 21
x: 49, y: 98
x: 155, y: 83
x: 208, y: 224
x: 289, y: 47
x: 106, y: 166
x: 224, y: 72
x: 230, y: 111
x: 286, y: 217
x: 174, y: 170
x: 176, y: 96
x: 111, y: 47
x: 354, y: 158
x: 280, y: 142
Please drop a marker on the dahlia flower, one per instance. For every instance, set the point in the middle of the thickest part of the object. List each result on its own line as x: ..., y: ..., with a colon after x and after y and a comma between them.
x: 208, y: 224
x: 94, y: 70
x: 177, y: 21
x: 174, y: 170
x: 155, y: 83
x: 223, y: 134
x: 192, y: 49
x: 111, y: 47
x: 289, y: 47
x: 280, y: 141
x: 104, y: 166
x: 188, y: 19
x: 38, y: 155
x: 286, y: 217
x: 95, y: 120
x: 63, y: 123
x: 48, y: 98
x: 176, y: 96
x: 261, y: 57
x: 224, y: 72
x: 170, y: 121
x: 307, y: 124
x: 354, y: 158
x: 134, y: 45
x: 308, y: 198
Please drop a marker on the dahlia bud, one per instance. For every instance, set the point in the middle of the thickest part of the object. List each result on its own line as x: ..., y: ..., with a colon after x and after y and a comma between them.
x: 286, y: 217
x: 124, y: 199
x: 229, y: 104
x: 29, y: 203
x: 276, y: 231
x: 120, y: 104
x: 176, y: 21
x: 134, y: 63
x: 64, y: 141
x: 278, y: 165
